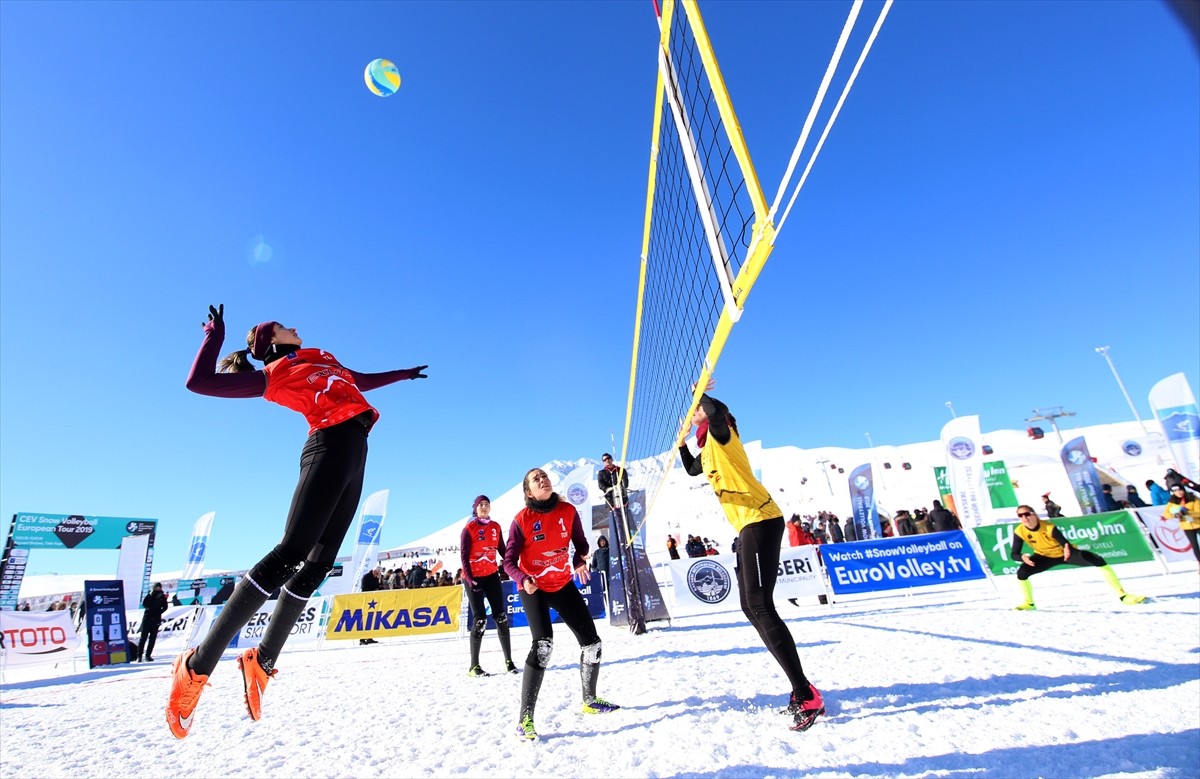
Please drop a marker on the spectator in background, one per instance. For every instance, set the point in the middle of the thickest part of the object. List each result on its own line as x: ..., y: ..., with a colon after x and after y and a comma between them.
x: 904, y: 523
x: 600, y: 557
x: 1132, y: 497
x: 793, y: 530
x: 921, y: 520
x: 943, y: 519
x: 1107, y: 501
x: 1158, y: 496
x: 850, y: 530
x: 371, y: 582
x: 1185, y: 507
x: 153, y: 607
x: 820, y: 532
x: 672, y: 548
x: 1053, y: 510
x: 835, y: 530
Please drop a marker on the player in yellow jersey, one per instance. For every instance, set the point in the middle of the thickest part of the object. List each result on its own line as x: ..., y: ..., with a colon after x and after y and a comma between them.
x: 1050, y: 548
x: 758, y: 521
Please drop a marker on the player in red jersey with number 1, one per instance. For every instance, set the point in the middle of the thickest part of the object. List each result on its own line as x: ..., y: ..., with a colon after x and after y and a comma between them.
x: 538, y: 560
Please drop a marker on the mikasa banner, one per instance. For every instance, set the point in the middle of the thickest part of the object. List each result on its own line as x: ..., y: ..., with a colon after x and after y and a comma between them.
x: 963, y: 447
x: 709, y: 584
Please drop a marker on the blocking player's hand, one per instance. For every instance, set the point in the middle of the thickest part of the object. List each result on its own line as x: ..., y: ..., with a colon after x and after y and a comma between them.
x: 216, y: 319
x: 418, y: 372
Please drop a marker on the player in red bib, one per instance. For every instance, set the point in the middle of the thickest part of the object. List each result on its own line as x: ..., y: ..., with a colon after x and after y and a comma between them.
x: 539, y: 561
x: 481, y: 546
x: 330, y: 396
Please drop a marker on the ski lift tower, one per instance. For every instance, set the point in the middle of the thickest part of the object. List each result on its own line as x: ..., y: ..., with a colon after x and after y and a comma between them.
x: 1051, y: 415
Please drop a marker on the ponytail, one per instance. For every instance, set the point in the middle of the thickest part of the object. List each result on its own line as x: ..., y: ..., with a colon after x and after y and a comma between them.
x: 239, y: 361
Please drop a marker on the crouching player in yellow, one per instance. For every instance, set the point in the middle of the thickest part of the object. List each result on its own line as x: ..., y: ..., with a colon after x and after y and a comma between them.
x: 1051, y: 548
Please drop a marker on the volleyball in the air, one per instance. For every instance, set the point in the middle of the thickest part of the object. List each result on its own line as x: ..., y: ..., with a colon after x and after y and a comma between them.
x: 382, y: 77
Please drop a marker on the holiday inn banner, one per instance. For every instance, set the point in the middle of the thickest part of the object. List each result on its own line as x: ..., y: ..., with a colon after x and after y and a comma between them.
x: 1115, y: 536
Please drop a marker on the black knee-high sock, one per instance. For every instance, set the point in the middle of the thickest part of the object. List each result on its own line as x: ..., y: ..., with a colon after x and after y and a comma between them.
x: 279, y: 628
x: 476, y: 641
x: 247, y: 598
x: 505, y: 641
x: 531, y: 684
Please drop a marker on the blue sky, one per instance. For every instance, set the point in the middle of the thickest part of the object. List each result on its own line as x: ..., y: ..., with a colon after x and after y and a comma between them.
x: 1009, y: 186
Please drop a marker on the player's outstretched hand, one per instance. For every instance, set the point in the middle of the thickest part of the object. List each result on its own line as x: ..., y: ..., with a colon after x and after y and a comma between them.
x: 216, y: 318
x: 419, y: 372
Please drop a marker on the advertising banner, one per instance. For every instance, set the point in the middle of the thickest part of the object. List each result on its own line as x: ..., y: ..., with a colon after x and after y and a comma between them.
x: 198, y: 546
x: 1166, y: 533
x: 635, y: 599
x: 395, y: 613
x: 132, y: 569
x: 1115, y: 536
x: 1081, y: 471
x: 963, y: 447
x: 709, y: 584
x: 864, y: 512
x: 12, y: 571
x: 178, y: 622
x: 370, y: 527
x: 104, y: 623
x: 1175, y: 408
x: 592, y: 592
x: 305, y: 628
x: 999, y: 485
x: 34, y: 637
x: 75, y: 531
x: 895, y: 563
x: 945, y: 494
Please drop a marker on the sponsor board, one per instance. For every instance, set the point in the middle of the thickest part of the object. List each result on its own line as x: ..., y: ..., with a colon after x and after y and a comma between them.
x: 394, y: 613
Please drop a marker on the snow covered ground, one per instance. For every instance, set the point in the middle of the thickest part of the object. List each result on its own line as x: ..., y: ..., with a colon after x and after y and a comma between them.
x: 933, y: 683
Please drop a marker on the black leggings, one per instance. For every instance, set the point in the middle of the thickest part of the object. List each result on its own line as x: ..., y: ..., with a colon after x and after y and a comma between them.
x: 491, y: 589
x: 571, y: 608
x: 757, y: 570
x: 331, y: 477
x: 1193, y: 537
x: 1042, y: 563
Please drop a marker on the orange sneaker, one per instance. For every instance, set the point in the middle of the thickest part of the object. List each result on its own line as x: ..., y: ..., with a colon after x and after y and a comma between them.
x: 186, y: 687
x: 255, y: 680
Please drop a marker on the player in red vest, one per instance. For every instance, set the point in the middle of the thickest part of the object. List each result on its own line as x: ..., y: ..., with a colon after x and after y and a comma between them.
x: 330, y: 396
x: 538, y: 560
x: 481, y: 547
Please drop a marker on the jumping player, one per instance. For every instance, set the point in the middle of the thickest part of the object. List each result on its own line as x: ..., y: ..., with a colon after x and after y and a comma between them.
x: 537, y: 559
x: 479, y: 544
x: 330, y: 397
x: 759, y: 525
x: 1050, y: 548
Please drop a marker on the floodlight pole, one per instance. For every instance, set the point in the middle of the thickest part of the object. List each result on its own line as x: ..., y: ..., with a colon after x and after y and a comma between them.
x: 950, y: 406
x: 825, y: 471
x: 1103, y: 350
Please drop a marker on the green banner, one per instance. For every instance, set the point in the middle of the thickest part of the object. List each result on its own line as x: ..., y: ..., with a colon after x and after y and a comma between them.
x: 943, y: 482
x: 1115, y: 536
x: 999, y: 486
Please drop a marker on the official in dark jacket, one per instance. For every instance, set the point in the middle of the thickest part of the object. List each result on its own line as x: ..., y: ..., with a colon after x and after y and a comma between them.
x: 942, y: 518
x: 153, y: 605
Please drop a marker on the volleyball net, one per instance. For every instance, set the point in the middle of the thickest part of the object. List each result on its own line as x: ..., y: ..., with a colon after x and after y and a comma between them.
x: 707, y: 235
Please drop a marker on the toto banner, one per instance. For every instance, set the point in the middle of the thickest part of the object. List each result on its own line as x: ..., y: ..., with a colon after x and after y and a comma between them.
x: 709, y: 584
x: 33, y: 637
x: 1115, y: 536
x: 894, y: 563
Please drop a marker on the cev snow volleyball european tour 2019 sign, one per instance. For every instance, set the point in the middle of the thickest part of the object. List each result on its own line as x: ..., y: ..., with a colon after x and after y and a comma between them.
x: 382, y: 77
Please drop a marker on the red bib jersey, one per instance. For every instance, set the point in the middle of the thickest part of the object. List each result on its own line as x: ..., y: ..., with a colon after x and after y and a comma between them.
x: 545, y: 554
x: 314, y: 383
x: 481, y: 542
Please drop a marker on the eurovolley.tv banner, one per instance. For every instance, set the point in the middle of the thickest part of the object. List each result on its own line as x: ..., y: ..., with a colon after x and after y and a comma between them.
x: 1115, y: 536
x: 894, y: 563
x: 1081, y: 471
